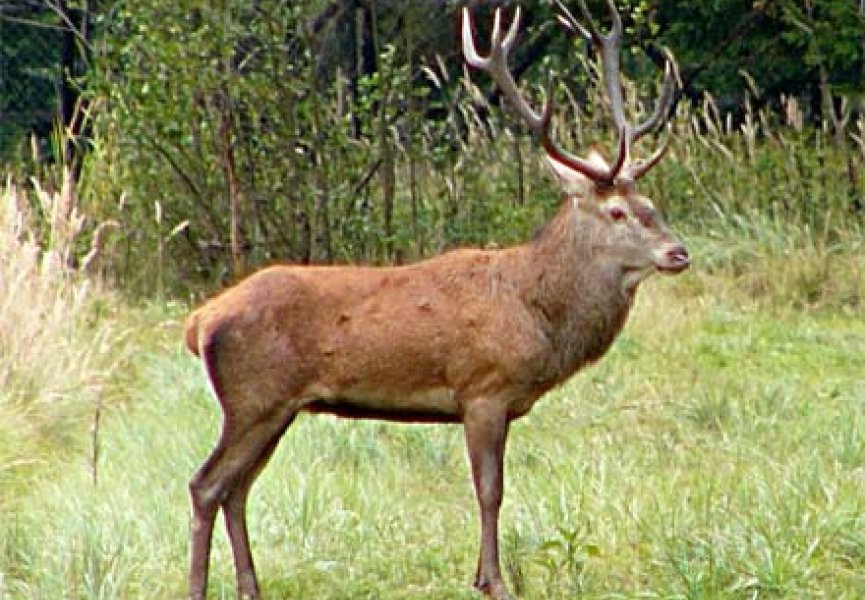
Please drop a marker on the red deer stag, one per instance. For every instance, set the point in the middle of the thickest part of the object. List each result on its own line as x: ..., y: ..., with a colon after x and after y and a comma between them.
x: 472, y: 337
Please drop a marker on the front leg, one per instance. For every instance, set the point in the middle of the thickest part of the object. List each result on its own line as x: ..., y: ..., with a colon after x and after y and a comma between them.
x: 486, y: 429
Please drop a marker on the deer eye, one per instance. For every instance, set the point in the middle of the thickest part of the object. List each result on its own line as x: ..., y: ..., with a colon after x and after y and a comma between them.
x: 617, y: 213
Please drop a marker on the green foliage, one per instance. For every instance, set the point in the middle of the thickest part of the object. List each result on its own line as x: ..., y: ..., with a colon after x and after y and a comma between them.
x: 828, y: 35
x: 330, y: 163
x: 780, y: 44
x: 29, y: 57
x: 783, y: 169
x: 329, y: 167
x: 171, y: 81
x: 213, y: 118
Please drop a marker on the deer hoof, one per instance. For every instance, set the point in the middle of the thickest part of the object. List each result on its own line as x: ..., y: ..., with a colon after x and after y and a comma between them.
x: 495, y: 590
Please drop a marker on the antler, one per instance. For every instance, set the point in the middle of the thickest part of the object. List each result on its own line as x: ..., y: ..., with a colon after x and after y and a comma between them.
x: 609, y: 46
x: 496, y: 64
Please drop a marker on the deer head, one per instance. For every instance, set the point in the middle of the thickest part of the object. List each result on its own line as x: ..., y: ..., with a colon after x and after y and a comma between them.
x: 625, y: 224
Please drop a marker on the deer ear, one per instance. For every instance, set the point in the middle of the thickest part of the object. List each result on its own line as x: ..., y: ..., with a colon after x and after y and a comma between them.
x: 596, y: 158
x: 571, y: 180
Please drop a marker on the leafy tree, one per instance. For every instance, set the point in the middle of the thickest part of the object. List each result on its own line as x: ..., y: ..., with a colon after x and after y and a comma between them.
x: 29, y: 54
x: 244, y: 122
x: 787, y: 47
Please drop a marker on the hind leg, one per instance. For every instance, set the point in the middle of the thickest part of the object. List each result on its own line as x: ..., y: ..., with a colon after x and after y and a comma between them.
x: 203, y: 515
x: 224, y: 480
x: 234, y: 511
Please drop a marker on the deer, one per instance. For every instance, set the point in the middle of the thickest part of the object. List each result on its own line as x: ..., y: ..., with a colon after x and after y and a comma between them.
x: 471, y: 336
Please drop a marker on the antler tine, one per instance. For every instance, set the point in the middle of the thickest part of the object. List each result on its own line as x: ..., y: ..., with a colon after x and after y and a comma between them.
x: 609, y: 46
x: 469, y: 51
x: 641, y: 168
x: 660, y: 114
x: 495, y: 63
x: 567, y: 19
x: 665, y: 101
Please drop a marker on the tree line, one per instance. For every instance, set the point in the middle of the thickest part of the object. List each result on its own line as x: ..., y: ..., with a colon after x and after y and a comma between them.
x: 342, y: 129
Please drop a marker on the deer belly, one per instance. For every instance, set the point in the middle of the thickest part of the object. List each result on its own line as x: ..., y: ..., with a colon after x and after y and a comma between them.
x: 432, y: 405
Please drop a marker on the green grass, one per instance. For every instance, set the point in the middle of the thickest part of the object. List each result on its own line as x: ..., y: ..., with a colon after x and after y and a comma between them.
x: 717, y: 452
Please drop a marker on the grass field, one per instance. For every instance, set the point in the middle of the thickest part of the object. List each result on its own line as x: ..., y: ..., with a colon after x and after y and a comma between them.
x: 718, y: 451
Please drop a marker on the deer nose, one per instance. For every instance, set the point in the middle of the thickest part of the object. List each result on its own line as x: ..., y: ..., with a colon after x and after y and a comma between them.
x: 677, y: 259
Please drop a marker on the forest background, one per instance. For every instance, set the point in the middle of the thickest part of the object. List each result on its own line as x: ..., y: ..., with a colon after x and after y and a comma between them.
x: 153, y: 152
x: 345, y: 131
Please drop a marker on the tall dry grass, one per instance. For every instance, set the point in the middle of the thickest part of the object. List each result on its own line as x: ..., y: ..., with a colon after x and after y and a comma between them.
x: 58, y: 346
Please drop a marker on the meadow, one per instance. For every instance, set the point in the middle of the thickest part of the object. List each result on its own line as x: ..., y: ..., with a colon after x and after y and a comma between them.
x: 718, y: 451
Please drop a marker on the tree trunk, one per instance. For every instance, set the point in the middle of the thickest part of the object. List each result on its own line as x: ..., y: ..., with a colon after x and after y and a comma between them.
x: 226, y: 131
x: 322, y: 250
x: 74, y: 23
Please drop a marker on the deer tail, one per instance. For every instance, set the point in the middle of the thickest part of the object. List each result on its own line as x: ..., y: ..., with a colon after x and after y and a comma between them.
x: 190, y: 332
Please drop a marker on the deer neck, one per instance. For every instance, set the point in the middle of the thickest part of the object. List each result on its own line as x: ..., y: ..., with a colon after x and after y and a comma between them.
x: 576, y: 288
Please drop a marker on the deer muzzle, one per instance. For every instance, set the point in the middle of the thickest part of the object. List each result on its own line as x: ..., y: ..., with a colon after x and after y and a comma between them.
x: 673, y: 259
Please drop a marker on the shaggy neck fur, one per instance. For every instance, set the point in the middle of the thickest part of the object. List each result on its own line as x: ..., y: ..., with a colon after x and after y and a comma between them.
x: 578, y: 289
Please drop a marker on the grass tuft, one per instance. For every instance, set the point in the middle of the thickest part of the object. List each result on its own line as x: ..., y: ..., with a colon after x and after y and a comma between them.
x: 58, y: 343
